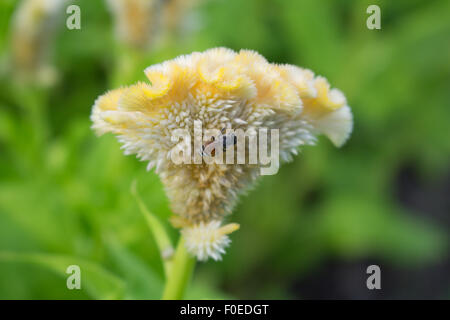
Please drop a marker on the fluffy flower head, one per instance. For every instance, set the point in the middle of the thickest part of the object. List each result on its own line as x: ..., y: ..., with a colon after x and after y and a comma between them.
x: 218, y: 89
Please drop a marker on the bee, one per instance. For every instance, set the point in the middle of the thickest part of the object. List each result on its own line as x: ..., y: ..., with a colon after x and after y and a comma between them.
x: 223, y: 141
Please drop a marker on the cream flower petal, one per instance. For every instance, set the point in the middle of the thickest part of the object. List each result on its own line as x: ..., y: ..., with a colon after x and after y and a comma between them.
x: 336, y: 125
x: 107, y: 102
x: 208, y: 240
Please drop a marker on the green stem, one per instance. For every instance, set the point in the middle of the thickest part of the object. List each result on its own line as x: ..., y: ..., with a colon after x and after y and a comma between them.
x: 180, y: 273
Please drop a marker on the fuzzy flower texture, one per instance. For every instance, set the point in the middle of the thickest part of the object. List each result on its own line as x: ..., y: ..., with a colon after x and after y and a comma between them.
x: 221, y: 89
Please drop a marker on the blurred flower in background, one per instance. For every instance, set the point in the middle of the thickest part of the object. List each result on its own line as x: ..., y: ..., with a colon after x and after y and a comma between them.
x: 142, y: 23
x: 135, y: 21
x: 177, y: 17
x: 32, y: 31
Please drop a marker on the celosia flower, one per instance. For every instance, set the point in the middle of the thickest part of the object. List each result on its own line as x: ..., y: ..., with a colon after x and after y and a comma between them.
x: 220, y: 89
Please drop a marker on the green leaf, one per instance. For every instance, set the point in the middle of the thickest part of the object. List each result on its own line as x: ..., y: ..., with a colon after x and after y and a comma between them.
x: 161, y: 237
x: 142, y: 282
x: 98, y: 282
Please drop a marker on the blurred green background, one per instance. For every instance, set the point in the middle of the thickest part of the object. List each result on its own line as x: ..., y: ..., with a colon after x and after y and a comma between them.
x: 308, y: 232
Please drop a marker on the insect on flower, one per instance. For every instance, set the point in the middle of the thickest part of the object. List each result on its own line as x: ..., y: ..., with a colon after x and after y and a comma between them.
x: 224, y: 141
